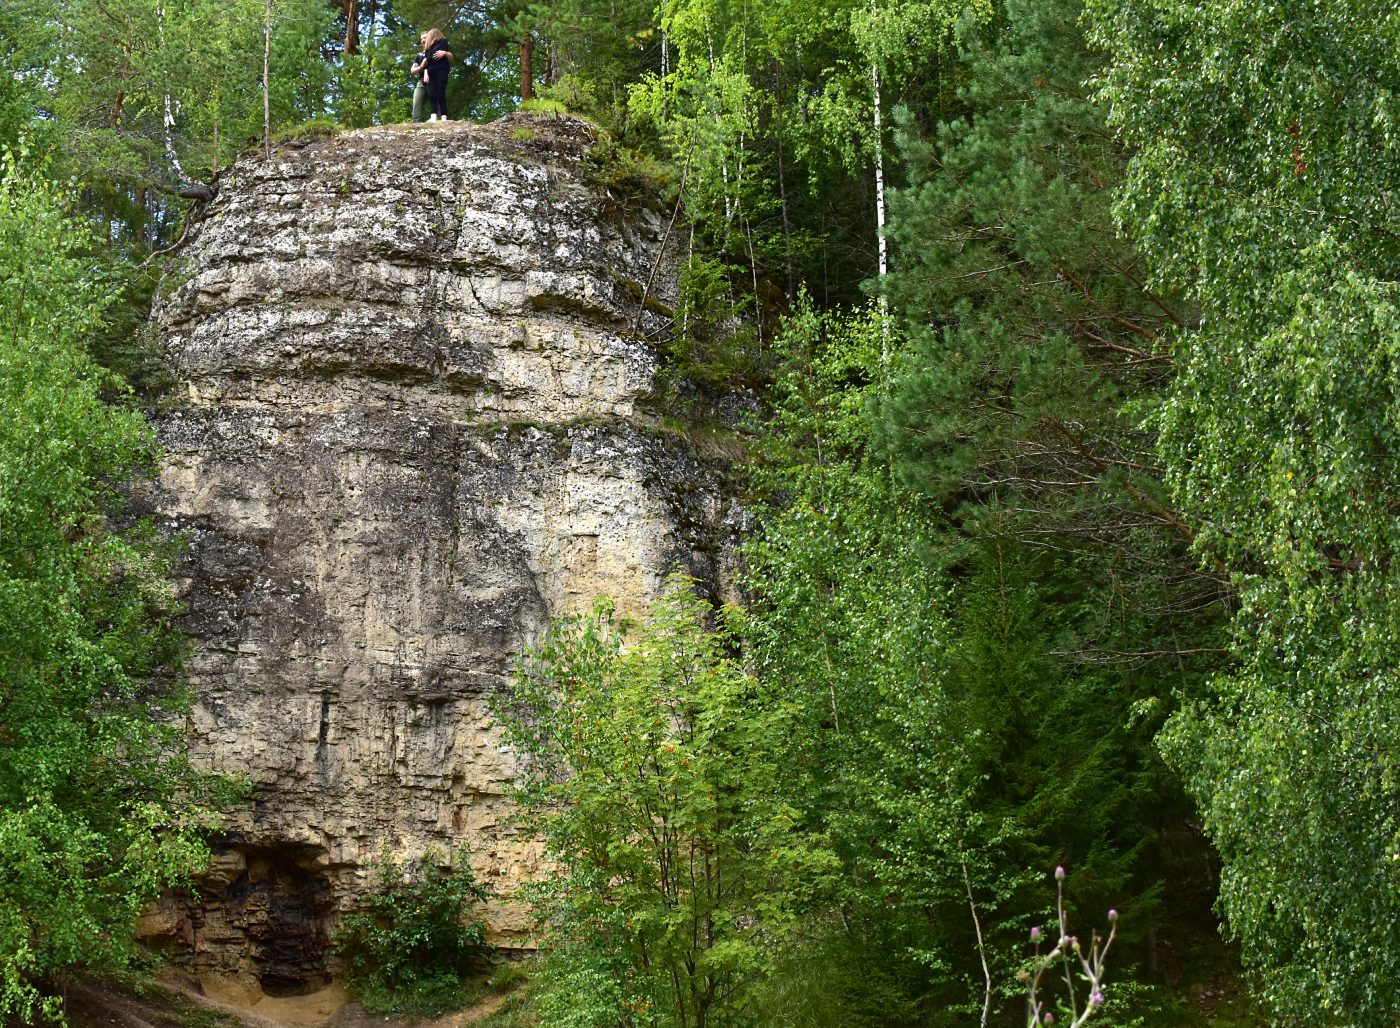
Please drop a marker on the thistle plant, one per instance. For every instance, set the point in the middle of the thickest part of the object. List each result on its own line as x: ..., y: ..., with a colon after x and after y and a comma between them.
x: 1062, y: 957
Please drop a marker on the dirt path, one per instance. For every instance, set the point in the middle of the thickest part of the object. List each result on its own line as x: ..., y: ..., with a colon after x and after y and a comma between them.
x: 175, y: 1000
x: 478, y: 1011
x: 352, y: 1015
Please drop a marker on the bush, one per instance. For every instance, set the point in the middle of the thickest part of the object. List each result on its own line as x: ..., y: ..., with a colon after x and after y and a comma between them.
x: 409, y: 949
x: 661, y: 778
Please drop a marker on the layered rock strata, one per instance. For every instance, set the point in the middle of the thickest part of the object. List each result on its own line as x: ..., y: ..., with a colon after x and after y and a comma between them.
x: 411, y: 426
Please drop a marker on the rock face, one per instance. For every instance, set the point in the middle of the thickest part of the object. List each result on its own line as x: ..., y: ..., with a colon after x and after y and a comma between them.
x: 412, y: 425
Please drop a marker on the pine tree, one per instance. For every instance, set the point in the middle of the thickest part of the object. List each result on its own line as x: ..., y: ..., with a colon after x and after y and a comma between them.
x: 1034, y: 351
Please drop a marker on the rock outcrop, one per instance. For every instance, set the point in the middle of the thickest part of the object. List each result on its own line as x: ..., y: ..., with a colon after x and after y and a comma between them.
x: 412, y: 424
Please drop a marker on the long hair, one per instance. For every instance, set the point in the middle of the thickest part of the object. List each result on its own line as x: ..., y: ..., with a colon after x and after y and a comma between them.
x: 433, y: 36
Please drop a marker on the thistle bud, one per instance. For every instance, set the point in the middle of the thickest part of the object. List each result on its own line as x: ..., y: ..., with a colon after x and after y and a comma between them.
x: 1096, y: 998
x: 1060, y: 873
x: 1035, y: 934
x: 1113, y: 915
x: 1049, y: 1018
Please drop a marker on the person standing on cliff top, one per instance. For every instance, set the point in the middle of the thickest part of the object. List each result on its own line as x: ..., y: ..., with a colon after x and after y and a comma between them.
x: 420, y: 89
x: 439, y: 56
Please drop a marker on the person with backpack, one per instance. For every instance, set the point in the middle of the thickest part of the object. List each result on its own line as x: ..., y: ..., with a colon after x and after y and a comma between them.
x: 439, y: 63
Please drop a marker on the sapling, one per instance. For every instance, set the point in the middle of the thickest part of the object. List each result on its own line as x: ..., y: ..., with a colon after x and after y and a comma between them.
x: 1066, y: 951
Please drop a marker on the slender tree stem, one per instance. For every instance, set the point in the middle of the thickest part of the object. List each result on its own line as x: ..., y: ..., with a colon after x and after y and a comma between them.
x: 267, y: 60
x: 981, y: 947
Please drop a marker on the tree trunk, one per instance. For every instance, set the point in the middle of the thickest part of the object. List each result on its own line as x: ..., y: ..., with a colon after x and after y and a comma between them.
x: 352, y: 26
x: 527, y: 76
x: 267, y: 55
x: 880, y: 210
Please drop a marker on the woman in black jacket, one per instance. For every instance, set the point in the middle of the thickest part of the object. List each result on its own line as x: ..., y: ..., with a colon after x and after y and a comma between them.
x: 435, y: 75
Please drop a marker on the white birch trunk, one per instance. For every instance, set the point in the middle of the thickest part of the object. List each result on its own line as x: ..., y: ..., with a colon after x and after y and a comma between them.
x: 168, y: 119
x: 880, y: 201
x: 267, y: 57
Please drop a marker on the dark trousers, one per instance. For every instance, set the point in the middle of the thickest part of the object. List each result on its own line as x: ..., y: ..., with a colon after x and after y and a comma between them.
x: 437, y: 96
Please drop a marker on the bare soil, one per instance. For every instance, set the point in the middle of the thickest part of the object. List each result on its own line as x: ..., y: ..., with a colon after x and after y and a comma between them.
x: 178, y: 1001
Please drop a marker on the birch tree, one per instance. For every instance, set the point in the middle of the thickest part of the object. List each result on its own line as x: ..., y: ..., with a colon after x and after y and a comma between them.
x: 1262, y: 184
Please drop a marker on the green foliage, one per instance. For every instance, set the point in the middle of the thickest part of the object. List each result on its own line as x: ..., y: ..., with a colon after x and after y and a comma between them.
x: 407, y: 950
x: 544, y: 108
x: 519, y: 981
x: 660, y: 777
x: 1079, y: 614
x: 772, y: 113
x: 960, y: 754
x: 98, y: 809
x: 832, y: 979
x: 125, y: 343
x: 1033, y: 350
x: 852, y: 625
x: 1264, y: 153
x: 109, y: 77
x: 629, y: 176
x: 596, y: 51
x: 713, y: 345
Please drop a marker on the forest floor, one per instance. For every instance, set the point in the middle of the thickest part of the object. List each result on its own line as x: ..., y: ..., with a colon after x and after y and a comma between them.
x: 1209, y: 991
x: 178, y: 1001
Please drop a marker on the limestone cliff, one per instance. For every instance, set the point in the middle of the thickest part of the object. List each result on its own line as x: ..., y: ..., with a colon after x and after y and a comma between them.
x: 412, y: 424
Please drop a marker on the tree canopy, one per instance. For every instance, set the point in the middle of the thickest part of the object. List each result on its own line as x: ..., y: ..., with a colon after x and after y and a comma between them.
x: 1071, y: 329
x: 98, y: 808
x: 1263, y: 152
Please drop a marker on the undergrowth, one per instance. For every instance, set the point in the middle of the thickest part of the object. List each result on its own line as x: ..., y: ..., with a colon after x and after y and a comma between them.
x: 412, y: 947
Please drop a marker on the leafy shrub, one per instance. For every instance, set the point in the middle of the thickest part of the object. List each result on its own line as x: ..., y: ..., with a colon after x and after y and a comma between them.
x: 661, y: 778
x: 629, y: 176
x: 409, y: 949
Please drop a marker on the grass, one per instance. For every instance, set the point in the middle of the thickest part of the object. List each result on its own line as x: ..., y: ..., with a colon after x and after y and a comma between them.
x: 515, y: 980
x: 709, y: 441
x: 544, y: 107
x: 307, y: 131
